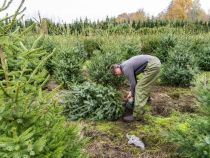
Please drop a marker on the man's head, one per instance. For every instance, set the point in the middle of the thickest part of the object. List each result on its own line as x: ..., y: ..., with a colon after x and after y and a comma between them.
x: 116, y: 70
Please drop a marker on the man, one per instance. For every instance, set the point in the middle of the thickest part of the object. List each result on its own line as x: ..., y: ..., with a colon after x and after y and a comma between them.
x: 139, y: 88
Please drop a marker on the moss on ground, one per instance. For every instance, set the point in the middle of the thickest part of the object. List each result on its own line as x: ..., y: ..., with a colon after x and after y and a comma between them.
x: 109, y: 136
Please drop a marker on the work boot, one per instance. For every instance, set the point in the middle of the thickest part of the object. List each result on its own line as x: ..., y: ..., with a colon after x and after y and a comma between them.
x: 128, y: 118
x: 130, y: 104
x: 128, y: 108
x: 149, y: 100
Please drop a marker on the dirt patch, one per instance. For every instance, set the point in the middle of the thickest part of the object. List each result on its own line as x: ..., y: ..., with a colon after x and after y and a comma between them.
x: 98, y: 149
x: 166, y: 99
x: 161, y: 104
x: 187, y: 104
x: 106, y: 144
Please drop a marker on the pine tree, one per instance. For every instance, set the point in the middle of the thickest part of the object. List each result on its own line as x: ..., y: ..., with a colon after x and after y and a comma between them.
x: 31, y: 124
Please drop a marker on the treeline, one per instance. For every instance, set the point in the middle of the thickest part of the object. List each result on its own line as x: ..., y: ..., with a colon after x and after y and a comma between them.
x: 184, y: 15
x: 111, y: 25
x: 180, y: 15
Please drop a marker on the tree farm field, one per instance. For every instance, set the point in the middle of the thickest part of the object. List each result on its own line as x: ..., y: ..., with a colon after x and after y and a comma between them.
x: 60, y: 99
x: 96, y: 101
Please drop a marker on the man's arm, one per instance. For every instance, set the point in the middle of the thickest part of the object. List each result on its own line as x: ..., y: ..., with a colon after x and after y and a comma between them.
x: 129, y: 73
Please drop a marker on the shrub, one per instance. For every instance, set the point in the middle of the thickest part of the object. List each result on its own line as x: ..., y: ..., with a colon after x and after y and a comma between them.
x: 130, y: 48
x: 201, y: 49
x: 99, y: 69
x: 67, y: 65
x: 90, y: 100
x: 167, y: 42
x: 180, y: 68
x: 202, y: 92
x: 193, y: 136
x: 204, y: 58
x: 79, y: 51
x: 90, y: 45
x: 49, y: 44
x: 150, y: 44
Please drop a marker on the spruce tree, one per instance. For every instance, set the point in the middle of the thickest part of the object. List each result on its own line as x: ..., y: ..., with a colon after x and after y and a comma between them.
x: 31, y: 121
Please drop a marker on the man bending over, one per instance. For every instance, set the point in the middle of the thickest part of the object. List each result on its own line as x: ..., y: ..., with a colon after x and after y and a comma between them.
x: 139, y: 88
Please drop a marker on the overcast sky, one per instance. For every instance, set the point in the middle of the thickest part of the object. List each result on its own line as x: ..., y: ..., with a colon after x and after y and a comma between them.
x: 68, y: 10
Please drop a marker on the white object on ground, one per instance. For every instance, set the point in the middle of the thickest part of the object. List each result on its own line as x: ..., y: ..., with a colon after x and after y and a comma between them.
x: 132, y: 139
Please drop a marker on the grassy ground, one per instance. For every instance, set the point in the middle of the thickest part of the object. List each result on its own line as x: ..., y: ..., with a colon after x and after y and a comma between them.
x: 169, y: 107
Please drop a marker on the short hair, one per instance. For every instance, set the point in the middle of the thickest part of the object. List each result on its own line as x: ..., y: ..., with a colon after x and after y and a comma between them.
x: 113, y: 67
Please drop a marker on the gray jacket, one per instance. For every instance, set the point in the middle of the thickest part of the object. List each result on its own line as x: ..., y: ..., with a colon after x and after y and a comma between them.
x: 134, y: 66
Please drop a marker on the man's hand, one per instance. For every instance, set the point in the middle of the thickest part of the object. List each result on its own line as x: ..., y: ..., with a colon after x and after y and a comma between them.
x: 129, y: 95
